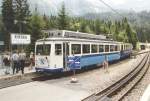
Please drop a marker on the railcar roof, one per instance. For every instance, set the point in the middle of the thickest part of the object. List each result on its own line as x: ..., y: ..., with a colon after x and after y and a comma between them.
x: 72, y: 34
x: 65, y: 35
x: 78, y: 40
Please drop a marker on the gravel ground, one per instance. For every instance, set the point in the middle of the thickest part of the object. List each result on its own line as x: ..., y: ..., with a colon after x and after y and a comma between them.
x: 137, y: 92
x: 98, y: 79
x: 130, y: 85
x: 61, y: 89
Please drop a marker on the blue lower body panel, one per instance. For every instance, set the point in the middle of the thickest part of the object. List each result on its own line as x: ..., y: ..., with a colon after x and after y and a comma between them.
x: 48, y: 70
x: 92, y: 60
x: 125, y: 54
x: 98, y: 59
x: 88, y: 60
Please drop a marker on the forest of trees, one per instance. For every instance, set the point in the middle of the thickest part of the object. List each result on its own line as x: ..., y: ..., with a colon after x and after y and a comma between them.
x: 16, y: 18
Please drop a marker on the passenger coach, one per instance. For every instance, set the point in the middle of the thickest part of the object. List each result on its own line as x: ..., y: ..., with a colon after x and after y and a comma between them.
x: 66, y: 50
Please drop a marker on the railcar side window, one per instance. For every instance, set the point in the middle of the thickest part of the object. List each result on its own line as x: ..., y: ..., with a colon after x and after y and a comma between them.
x: 101, y: 48
x: 125, y: 47
x: 112, y: 48
x: 116, y: 48
x: 121, y: 47
x: 94, y: 48
x: 86, y: 48
x: 43, y: 49
x: 106, y: 48
x: 128, y: 47
x: 76, y: 49
x: 58, y: 49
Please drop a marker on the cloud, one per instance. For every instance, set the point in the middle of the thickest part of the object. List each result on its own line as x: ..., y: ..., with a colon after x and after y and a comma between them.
x: 116, y: 2
x: 137, y: 5
x: 84, y: 6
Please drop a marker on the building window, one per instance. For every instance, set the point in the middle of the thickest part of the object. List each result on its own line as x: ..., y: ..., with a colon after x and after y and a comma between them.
x: 58, y: 49
x: 106, y: 48
x: 94, y: 48
x: 76, y: 49
x: 101, y: 48
x: 86, y: 48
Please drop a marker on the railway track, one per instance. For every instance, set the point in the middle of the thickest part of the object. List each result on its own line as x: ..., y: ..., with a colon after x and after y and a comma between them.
x: 18, y: 80
x: 118, y: 90
x: 23, y: 80
x: 37, y: 77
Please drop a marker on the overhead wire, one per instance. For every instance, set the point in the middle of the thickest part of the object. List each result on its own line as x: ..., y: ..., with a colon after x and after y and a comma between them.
x: 111, y: 8
x: 115, y: 12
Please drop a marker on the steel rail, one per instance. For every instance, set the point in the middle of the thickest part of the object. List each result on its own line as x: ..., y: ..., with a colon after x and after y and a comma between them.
x: 112, y: 89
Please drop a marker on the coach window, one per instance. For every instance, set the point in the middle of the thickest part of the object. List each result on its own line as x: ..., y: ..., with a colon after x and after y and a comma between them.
x: 43, y: 49
x: 76, y: 49
x: 116, y: 48
x: 106, y: 48
x: 101, y: 48
x: 122, y: 47
x: 86, y: 48
x: 58, y: 49
x: 112, y: 48
x: 94, y: 48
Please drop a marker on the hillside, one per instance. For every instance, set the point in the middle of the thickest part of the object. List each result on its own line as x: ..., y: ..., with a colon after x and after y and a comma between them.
x: 140, y: 21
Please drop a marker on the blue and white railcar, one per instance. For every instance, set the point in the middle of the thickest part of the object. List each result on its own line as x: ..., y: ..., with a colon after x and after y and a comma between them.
x: 126, y: 50
x: 66, y: 50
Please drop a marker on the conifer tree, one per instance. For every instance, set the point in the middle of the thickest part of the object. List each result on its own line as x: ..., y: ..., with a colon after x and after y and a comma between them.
x: 62, y: 20
x: 36, y: 25
x: 22, y: 15
x: 8, y: 15
x: 97, y: 27
x: 8, y: 20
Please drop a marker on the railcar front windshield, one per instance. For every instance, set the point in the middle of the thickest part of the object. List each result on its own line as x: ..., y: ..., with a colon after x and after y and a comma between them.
x: 43, y: 49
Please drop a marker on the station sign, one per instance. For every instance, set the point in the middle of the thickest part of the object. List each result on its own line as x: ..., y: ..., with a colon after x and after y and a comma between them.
x: 1, y: 43
x: 74, y: 63
x: 20, y: 39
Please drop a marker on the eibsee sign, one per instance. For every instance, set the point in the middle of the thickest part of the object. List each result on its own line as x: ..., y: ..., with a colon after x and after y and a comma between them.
x: 18, y: 39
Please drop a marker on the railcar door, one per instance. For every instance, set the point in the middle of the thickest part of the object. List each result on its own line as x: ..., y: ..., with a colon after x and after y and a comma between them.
x: 65, y: 54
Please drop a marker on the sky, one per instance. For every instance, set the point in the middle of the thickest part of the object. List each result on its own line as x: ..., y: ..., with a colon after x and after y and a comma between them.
x: 85, y: 6
x: 81, y: 6
x: 136, y: 5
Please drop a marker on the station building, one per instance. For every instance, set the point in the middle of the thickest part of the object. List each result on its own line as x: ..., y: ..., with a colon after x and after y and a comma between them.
x: 143, y: 46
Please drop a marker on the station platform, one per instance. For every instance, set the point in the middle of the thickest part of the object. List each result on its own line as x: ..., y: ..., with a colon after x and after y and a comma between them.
x: 62, y: 90
x: 9, y: 75
x: 146, y: 95
x: 6, y: 71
